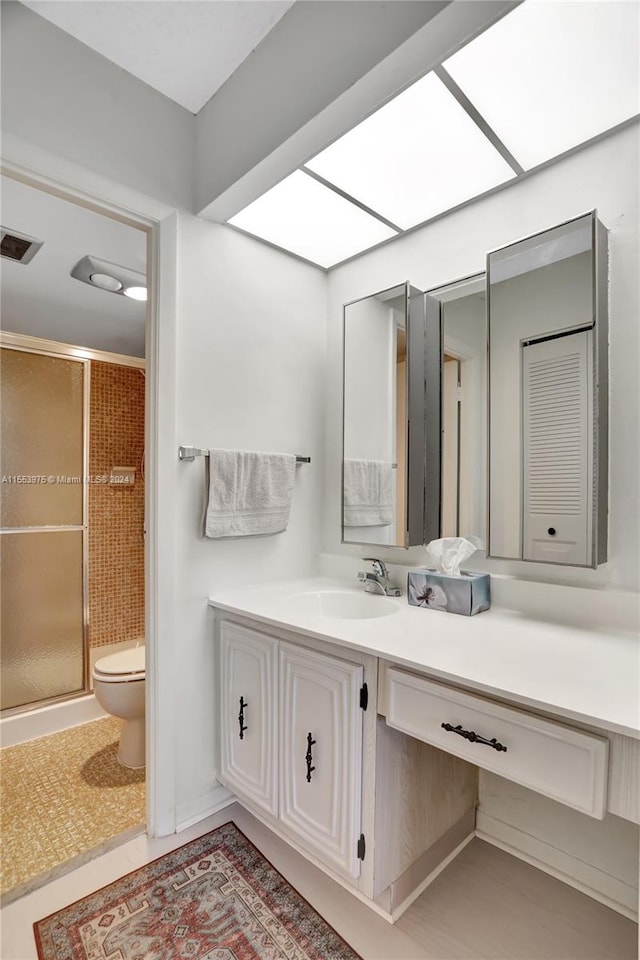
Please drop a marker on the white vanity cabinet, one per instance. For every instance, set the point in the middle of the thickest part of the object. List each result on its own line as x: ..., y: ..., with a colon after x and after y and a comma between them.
x: 536, y: 764
x: 321, y: 753
x: 248, y: 718
x: 291, y: 740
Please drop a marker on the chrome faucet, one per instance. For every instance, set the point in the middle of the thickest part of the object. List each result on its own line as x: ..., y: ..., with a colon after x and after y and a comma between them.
x: 378, y: 581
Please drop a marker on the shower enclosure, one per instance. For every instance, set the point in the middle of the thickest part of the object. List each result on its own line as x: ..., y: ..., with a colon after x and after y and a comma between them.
x: 44, y: 531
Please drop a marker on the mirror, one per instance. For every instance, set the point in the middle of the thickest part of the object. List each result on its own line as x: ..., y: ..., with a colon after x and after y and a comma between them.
x: 547, y: 310
x: 464, y: 408
x: 391, y: 377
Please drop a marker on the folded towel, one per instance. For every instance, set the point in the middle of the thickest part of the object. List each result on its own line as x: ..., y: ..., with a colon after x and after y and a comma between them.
x: 249, y: 493
x: 368, y: 493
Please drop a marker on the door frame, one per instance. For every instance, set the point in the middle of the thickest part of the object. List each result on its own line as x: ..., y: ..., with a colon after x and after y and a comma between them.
x: 56, y: 176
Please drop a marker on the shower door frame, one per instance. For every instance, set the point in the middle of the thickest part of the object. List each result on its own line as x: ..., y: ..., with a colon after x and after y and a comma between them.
x: 21, y: 344
x: 83, y: 355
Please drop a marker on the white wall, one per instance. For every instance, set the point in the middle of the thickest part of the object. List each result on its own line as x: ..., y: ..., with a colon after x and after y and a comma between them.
x: 250, y: 375
x: 59, y: 94
x: 605, y: 176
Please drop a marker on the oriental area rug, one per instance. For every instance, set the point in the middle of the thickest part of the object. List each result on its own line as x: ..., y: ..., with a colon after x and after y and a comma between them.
x: 216, y: 898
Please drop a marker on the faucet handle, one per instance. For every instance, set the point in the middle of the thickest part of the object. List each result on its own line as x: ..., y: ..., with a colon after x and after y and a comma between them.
x: 378, y: 566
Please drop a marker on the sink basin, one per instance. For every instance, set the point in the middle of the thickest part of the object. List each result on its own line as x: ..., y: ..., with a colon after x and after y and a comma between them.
x: 342, y: 604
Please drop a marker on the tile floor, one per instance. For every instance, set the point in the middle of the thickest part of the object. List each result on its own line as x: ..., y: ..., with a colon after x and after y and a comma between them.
x: 63, y: 796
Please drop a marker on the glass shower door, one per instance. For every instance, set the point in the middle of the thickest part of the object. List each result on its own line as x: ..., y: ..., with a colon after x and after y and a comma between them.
x: 43, y: 526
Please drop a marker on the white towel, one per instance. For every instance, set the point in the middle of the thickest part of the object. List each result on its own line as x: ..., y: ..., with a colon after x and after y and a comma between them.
x: 368, y: 493
x: 249, y: 493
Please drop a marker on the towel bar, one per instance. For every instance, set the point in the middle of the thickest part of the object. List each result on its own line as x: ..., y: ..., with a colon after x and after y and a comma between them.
x: 190, y: 453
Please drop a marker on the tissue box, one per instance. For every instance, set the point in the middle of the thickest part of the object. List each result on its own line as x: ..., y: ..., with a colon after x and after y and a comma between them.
x: 466, y: 594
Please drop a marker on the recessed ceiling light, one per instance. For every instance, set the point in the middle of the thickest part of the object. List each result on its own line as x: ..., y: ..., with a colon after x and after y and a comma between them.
x: 105, y: 282
x: 308, y: 219
x: 417, y: 156
x: 549, y: 76
x: 135, y: 293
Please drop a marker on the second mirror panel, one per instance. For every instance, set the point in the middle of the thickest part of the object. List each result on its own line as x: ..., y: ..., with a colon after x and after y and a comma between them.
x: 464, y: 417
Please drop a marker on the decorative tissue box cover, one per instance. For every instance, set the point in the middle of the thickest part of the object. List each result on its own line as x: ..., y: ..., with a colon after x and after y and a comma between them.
x: 466, y: 594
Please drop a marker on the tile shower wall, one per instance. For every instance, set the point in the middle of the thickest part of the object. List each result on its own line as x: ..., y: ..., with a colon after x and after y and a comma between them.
x: 116, y: 511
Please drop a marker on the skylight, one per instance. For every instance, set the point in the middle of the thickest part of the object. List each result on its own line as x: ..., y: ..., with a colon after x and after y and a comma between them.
x: 417, y: 156
x: 544, y: 79
x: 550, y: 76
x: 312, y: 221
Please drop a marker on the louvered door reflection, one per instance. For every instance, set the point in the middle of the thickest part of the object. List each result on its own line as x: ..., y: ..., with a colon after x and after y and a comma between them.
x: 557, y: 448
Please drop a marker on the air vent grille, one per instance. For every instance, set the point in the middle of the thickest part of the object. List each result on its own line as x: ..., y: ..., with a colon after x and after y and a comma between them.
x: 18, y: 246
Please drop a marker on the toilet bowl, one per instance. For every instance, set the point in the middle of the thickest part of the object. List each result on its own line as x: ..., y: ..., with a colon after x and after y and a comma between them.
x: 118, y: 683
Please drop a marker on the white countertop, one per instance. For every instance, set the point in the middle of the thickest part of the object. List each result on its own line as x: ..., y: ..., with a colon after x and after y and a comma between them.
x: 589, y: 676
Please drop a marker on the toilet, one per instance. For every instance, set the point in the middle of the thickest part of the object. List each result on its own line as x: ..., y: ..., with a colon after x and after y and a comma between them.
x: 118, y: 683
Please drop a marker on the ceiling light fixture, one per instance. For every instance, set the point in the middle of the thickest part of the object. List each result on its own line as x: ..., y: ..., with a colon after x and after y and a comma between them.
x: 441, y: 160
x: 308, y: 219
x: 111, y: 277
x: 550, y: 76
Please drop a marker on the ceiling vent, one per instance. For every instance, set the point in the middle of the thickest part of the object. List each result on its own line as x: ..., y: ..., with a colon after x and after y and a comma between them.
x: 18, y: 246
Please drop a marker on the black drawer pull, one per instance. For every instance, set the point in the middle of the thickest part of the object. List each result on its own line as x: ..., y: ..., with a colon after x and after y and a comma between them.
x: 474, y: 737
x: 309, y: 757
x: 243, y: 704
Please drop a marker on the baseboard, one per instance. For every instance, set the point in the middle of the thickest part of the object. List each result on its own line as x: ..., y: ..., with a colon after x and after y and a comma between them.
x: 204, y: 806
x: 609, y: 890
x: 42, y: 721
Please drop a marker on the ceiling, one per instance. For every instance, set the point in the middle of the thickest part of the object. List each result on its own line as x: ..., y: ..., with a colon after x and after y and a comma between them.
x: 546, y: 79
x: 185, y: 49
x: 41, y: 299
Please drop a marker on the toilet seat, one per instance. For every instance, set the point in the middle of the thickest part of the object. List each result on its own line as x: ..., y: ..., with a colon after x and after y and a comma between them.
x: 121, y: 667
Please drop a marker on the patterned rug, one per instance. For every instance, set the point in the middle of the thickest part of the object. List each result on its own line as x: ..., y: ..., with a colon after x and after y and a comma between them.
x: 216, y: 898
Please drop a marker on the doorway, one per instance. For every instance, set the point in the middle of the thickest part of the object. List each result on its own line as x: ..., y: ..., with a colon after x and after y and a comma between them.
x: 57, y: 327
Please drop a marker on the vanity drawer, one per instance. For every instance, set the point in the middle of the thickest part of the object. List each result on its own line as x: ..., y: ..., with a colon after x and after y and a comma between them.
x: 558, y: 761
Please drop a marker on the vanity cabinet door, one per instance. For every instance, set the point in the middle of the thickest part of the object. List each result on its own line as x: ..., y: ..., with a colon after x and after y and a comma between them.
x: 321, y: 754
x: 248, y: 761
